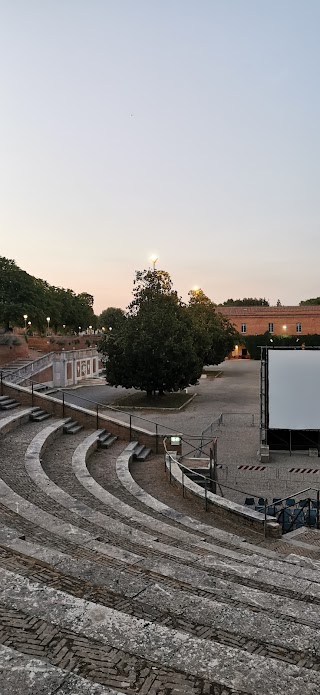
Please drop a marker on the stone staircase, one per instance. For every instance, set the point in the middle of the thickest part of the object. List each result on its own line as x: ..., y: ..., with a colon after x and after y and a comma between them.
x: 13, y: 366
x: 39, y: 415
x: 106, y: 439
x: 106, y: 589
x: 7, y: 403
x: 72, y: 426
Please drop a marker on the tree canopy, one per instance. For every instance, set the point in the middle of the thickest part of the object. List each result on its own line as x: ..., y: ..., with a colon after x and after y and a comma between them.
x: 247, y: 301
x: 111, y: 318
x: 21, y: 293
x: 314, y: 301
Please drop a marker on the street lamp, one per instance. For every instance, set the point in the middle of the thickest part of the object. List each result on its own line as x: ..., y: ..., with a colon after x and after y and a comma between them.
x: 90, y: 329
x: 153, y: 260
x: 25, y: 316
x: 29, y: 323
x: 48, y: 322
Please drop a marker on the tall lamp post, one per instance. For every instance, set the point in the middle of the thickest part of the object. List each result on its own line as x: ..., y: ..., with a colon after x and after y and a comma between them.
x: 48, y: 322
x: 25, y: 316
x: 153, y: 260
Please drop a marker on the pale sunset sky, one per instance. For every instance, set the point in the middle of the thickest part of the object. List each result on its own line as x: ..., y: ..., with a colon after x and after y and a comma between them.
x: 185, y: 128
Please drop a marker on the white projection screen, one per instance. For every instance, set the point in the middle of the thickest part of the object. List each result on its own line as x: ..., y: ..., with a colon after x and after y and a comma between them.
x: 294, y: 389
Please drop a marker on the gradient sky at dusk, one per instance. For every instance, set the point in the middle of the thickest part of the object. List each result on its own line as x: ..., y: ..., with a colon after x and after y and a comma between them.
x: 189, y: 128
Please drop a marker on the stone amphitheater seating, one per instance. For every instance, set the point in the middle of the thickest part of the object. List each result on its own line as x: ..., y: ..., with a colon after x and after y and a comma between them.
x: 106, y: 590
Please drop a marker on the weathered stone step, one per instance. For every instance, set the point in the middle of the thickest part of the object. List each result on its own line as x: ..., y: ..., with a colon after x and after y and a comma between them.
x: 106, y: 439
x: 127, y: 534
x: 132, y: 581
x: 22, y: 674
x: 224, y: 622
x: 7, y: 403
x: 213, y: 553
x: 72, y: 427
x: 241, y: 552
x: 157, y: 646
x: 241, y: 573
x: 38, y: 415
x: 141, y: 452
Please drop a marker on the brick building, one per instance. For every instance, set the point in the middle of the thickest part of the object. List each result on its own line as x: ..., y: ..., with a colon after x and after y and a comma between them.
x: 278, y: 320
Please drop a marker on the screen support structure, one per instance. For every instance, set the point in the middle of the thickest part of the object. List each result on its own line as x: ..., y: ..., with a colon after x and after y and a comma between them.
x: 263, y: 397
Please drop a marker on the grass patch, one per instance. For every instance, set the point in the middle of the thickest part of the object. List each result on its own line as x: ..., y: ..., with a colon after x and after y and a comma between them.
x: 141, y: 400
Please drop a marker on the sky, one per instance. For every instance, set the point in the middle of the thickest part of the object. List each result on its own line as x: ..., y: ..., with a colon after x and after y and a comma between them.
x: 184, y: 128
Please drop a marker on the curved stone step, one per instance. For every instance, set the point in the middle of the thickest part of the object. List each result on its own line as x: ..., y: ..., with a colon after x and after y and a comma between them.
x: 35, y: 471
x: 158, y: 646
x: 244, y: 566
x: 266, y: 625
x: 279, y: 564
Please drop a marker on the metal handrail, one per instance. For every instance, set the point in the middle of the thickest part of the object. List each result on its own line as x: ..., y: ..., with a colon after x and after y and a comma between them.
x: 124, y: 412
x: 206, y: 479
x: 181, y: 465
x: 295, y: 494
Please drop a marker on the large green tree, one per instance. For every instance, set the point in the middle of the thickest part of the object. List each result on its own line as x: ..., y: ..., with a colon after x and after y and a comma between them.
x: 153, y: 350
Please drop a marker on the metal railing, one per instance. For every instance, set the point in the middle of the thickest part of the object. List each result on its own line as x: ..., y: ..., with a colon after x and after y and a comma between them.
x: 239, y: 418
x: 283, y: 515
x: 268, y: 509
x: 211, y: 482
x: 129, y: 419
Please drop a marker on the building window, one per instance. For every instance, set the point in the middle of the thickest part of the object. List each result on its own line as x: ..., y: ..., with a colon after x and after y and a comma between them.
x: 298, y: 327
x: 243, y: 328
x: 270, y: 329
